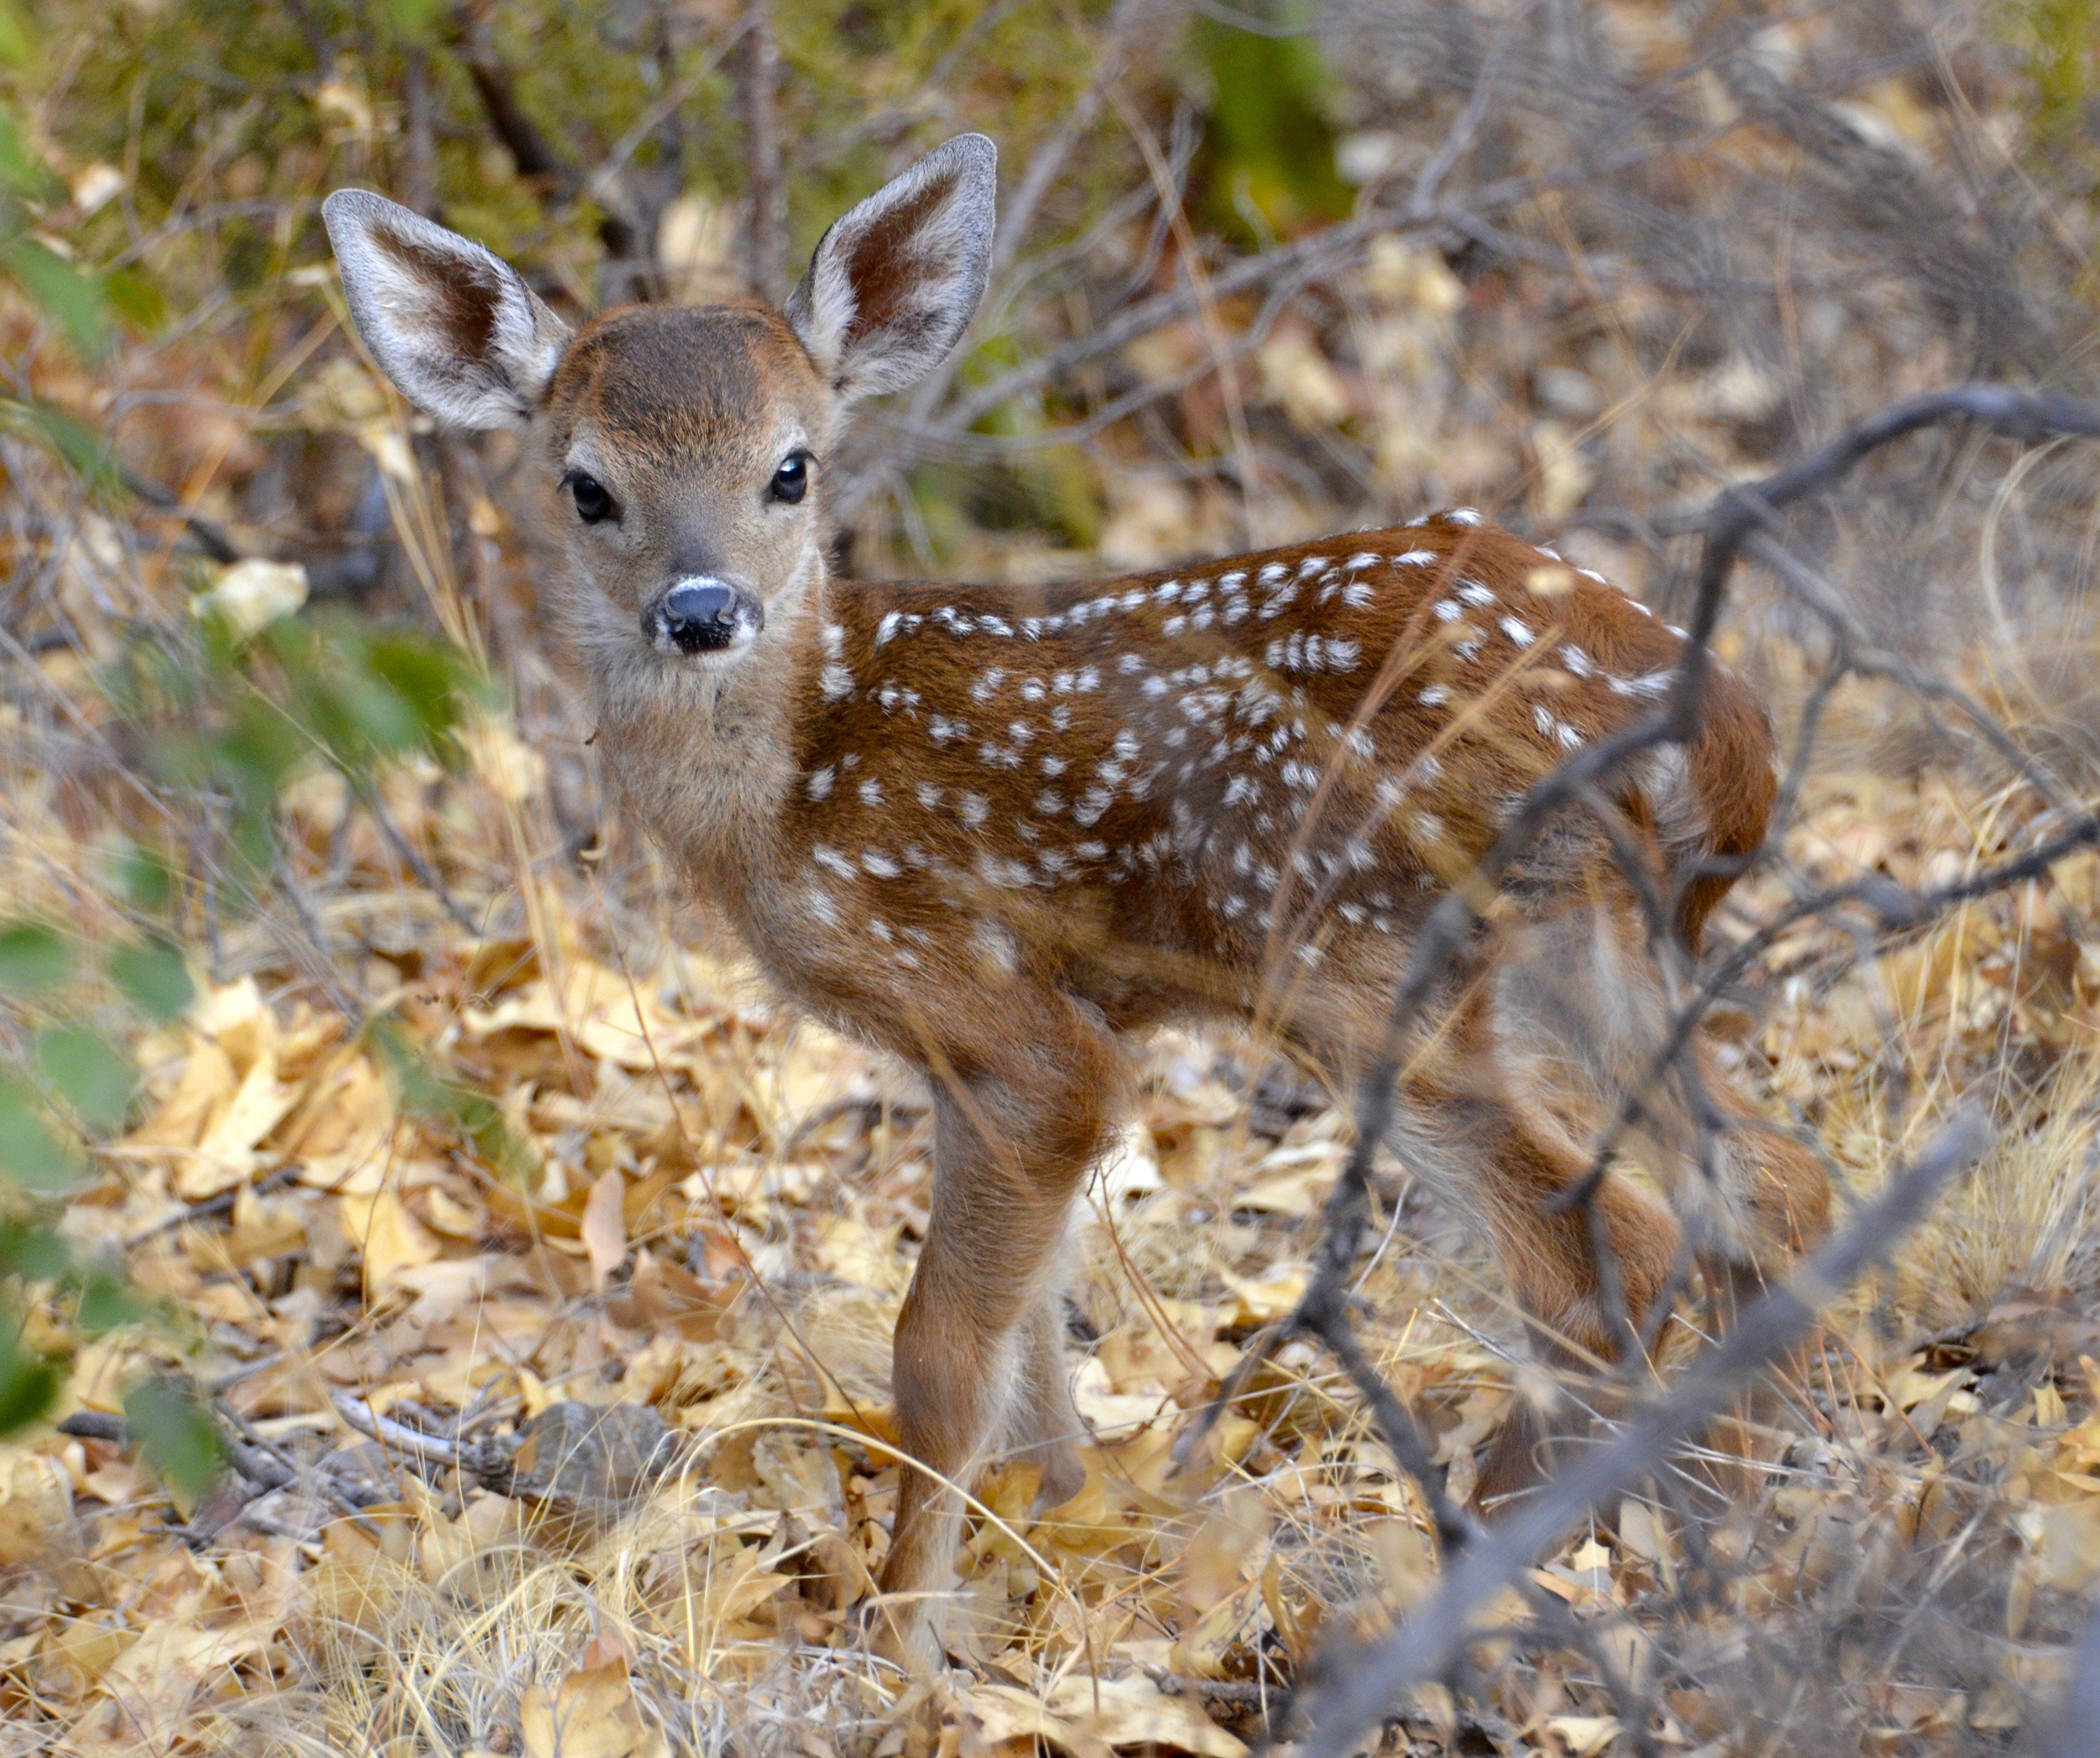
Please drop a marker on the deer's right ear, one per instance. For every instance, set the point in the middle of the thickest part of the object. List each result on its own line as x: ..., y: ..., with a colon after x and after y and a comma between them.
x: 456, y: 329
x: 896, y: 281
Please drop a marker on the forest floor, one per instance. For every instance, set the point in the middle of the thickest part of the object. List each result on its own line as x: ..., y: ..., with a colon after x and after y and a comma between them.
x: 628, y: 1346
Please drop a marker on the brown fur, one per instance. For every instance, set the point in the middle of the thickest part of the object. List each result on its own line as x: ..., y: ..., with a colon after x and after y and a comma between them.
x: 998, y: 830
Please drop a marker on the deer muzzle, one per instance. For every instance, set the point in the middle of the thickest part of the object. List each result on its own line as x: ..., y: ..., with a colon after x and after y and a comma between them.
x: 701, y: 615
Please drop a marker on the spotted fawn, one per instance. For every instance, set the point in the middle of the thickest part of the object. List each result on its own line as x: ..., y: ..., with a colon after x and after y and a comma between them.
x: 998, y: 830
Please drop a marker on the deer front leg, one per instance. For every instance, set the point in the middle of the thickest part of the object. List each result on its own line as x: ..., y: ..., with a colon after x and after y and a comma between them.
x: 973, y: 1341
x: 1044, y: 1424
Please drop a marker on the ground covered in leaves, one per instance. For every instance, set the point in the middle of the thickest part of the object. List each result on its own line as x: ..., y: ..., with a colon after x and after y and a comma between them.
x: 562, y: 1425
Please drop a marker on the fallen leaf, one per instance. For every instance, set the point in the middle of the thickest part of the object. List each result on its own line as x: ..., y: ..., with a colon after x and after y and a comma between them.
x: 591, y: 1714
x: 604, y: 1226
x: 1263, y: 1299
x: 392, y: 1239
x: 1132, y: 1710
x: 1584, y: 1736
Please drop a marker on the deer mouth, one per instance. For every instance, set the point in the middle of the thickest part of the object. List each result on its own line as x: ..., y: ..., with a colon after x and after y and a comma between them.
x: 702, y: 615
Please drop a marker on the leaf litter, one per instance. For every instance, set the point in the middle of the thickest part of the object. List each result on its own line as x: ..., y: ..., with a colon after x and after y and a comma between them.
x: 587, y: 1448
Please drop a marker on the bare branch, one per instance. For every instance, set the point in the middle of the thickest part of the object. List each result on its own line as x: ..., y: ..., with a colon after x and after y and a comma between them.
x: 765, y: 218
x: 1431, y: 1641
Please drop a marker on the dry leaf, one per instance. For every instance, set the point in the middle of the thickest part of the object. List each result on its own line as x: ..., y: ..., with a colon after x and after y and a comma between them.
x: 36, y: 1506
x: 1261, y: 1299
x: 392, y: 1239
x: 1132, y: 1710
x: 605, y: 1226
x: 590, y: 1714
x: 1583, y: 1736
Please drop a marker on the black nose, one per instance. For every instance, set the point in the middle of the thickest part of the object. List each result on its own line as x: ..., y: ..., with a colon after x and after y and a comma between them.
x: 698, y: 616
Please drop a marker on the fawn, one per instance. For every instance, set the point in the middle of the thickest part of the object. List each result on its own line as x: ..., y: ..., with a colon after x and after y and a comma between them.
x: 996, y: 830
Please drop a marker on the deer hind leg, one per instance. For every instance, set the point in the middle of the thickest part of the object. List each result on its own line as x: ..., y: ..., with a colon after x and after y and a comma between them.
x: 976, y: 1345
x: 1558, y: 1270
x: 1504, y: 1114
x: 1507, y: 1162
x: 1579, y: 1015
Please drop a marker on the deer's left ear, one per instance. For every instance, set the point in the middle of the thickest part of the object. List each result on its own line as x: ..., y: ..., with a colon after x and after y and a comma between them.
x: 454, y: 327
x: 895, y: 282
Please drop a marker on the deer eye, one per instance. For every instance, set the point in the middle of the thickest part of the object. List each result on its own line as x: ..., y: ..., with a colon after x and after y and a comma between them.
x: 592, y: 502
x: 791, y: 481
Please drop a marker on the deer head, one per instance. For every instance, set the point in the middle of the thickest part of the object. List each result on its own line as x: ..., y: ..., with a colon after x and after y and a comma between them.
x: 688, y: 444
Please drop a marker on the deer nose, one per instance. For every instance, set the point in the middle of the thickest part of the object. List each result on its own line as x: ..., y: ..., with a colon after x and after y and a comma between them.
x: 697, y: 615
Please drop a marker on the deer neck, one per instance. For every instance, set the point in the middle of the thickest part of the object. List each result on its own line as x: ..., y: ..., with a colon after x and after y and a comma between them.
x: 705, y: 758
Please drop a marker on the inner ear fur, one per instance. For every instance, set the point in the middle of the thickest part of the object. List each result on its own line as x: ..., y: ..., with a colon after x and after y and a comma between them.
x: 894, y: 282
x: 456, y: 328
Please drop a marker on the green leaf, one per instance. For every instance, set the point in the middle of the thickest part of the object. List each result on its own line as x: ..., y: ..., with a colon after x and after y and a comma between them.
x: 33, y: 957
x: 171, y: 1427
x: 1270, y: 147
x: 84, y: 451
x: 414, y: 19
x: 16, y: 42
x: 90, y: 1073
x: 106, y: 1301
x: 28, y: 1382
x: 20, y: 169
x: 432, y: 677
x: 35, y: 1253
x: 73, y: 300
x: 148, y: 879
x: 29, y: 1154
x: 135, y: 299
x: 153, y: 978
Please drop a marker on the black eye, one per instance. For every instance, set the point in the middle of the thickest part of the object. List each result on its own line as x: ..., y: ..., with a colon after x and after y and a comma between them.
x: 592, y: 502
x: 791, y: 481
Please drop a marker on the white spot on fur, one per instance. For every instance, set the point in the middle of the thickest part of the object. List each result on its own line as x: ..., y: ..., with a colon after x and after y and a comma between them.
x: 1009, y: 875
